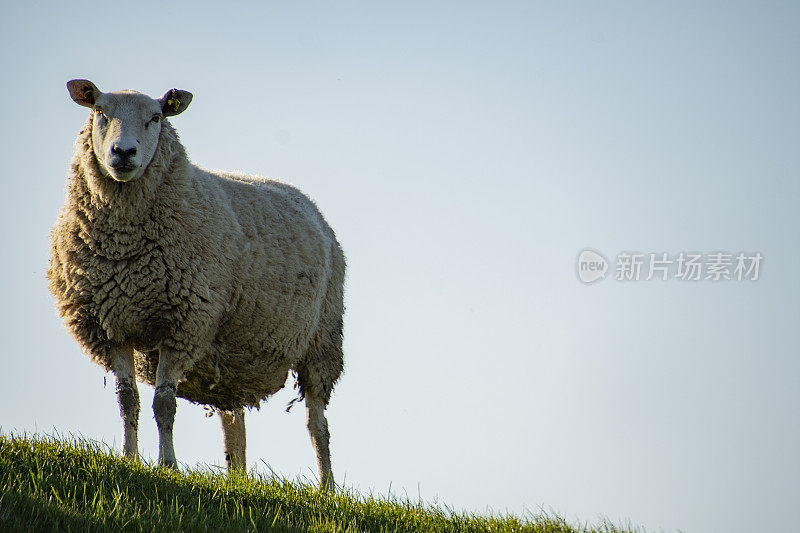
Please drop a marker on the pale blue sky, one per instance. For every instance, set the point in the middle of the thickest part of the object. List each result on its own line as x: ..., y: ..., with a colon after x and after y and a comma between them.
x: 465, y: 152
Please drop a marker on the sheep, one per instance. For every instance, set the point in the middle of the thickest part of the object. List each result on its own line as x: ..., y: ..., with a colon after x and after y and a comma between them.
x: 210, y: 286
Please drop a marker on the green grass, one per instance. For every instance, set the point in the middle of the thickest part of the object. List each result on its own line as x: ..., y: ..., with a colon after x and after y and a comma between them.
x: 47, y: 484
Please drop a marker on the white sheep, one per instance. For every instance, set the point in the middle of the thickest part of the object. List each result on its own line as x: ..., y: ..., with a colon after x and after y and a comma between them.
x: 210, y: 286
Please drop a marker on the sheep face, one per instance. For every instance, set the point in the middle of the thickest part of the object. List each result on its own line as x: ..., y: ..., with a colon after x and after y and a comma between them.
x: 125, y: 131
x: 126, y: 126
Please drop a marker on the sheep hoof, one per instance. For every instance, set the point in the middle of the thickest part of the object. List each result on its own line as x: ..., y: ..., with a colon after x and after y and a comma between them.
x: 170, y: 465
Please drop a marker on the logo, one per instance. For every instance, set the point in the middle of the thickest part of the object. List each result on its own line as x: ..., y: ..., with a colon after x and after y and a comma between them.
x: 683, y: 266
x: 591, y: 266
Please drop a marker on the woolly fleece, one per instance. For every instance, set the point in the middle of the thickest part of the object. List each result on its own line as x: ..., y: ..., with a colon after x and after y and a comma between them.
x: 241, y: 275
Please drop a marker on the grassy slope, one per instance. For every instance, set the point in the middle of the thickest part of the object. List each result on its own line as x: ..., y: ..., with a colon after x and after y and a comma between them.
x: 51, y: 485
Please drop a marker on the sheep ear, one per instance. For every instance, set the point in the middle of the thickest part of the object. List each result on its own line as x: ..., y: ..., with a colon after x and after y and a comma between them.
x: 84, y: 92
x: 174, y: 102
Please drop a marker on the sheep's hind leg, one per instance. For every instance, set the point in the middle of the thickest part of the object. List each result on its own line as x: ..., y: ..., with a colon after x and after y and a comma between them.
x: 128, y: 397
x: 235, y: 440
x: 320, y: 438
x: 164, y: 406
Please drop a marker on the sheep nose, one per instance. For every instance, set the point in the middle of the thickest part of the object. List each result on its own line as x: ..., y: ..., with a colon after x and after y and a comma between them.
x: 130, y: 152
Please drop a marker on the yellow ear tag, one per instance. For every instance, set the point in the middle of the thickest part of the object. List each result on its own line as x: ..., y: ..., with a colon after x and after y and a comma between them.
x: 174, y: 104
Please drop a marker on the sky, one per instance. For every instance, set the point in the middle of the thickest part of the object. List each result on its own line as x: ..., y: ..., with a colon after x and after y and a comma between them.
x: 466, y: 153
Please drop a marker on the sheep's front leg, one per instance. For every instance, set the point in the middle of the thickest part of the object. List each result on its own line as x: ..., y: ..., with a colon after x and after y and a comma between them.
x: 164, y: 406
x: 235, y: 440
x: 320, y: 438
x: 128, y: 397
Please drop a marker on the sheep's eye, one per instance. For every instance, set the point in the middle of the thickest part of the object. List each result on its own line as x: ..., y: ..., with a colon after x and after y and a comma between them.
x: 155, y: 120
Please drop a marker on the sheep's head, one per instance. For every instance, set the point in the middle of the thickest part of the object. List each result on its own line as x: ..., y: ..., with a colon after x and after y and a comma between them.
x: 126, y: 125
